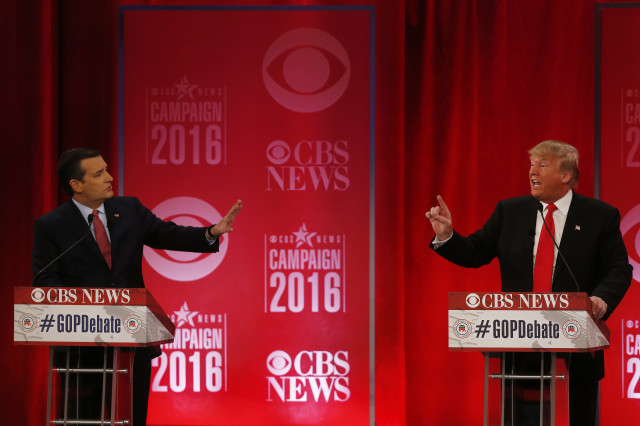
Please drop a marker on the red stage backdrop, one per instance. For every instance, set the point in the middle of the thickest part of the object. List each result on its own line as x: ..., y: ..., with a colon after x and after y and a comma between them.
x: 271, y: 105
x: 619, y: 146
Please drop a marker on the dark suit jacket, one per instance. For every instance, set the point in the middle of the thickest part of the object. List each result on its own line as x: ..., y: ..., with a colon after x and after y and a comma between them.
x: 131, y: 226
x: 591, y: 243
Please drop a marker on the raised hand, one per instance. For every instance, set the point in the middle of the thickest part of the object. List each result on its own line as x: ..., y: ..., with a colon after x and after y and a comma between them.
x: 224, y: 225
x: 440, y: 218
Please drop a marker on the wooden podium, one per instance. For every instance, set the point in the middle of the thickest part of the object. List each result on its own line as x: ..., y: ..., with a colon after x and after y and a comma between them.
x: 500, y: 323
x: 100, y: 317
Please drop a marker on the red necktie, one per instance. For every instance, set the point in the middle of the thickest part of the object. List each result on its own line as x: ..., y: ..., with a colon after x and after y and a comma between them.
x: 543, y: 270
x: 101, y: 237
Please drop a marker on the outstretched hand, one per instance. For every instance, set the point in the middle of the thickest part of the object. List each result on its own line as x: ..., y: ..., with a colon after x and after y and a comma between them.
x: 440, y: 218
x: 224, y: 225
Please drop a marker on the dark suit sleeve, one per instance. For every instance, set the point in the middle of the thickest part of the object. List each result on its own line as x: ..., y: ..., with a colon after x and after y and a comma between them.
x: 615, y: 270
x: 166, y: 235
x: 44, y: 251
x: 476, y: 250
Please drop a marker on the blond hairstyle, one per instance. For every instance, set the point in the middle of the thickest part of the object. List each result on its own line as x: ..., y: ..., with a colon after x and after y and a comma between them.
x: 565, y: 153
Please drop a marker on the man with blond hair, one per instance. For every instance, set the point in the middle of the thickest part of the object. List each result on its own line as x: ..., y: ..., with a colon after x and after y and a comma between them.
x: 588, y: 233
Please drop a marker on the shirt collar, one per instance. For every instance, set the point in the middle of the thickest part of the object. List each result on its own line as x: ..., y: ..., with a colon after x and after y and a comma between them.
x: 86, y: 211
x: 562, y: 204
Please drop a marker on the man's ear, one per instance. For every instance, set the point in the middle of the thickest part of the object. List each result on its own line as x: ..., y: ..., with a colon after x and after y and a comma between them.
x: 76, y: 185
x: 566, y: 177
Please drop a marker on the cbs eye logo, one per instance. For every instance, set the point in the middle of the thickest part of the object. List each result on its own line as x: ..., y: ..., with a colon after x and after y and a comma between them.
x: 278, y: 152
x: 278, y: 363
x: 183, y: 266
x: 38, y: 295
x: 473, y: 300
x: 631, y: 220
x: 306, y: 70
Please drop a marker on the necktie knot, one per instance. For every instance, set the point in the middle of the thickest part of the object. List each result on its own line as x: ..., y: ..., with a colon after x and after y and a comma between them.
x: 551, y: 208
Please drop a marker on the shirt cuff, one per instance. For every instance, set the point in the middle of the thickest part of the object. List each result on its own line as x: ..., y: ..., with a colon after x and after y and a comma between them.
x: 437, y: 243
x: 211, y: 241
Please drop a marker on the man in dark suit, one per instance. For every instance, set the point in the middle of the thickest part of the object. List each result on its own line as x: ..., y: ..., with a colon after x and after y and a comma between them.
x: 588, y: 233
x: 112, y: 255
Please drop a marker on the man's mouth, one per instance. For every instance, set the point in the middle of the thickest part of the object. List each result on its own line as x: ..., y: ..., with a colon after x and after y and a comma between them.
x: 535, y: 183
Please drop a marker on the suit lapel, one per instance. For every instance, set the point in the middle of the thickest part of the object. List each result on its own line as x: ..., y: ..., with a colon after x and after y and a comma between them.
x: 115, y: 232
x: 531, y: 218
x: 571, y: 234
x: 78, y: 226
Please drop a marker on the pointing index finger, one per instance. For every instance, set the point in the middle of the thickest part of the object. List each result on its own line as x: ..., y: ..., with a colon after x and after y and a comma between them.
x: 443, y: 206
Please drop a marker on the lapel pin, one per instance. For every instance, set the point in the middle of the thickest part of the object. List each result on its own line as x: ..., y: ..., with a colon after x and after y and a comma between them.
x: 116, y: 215
x: 577, y: 227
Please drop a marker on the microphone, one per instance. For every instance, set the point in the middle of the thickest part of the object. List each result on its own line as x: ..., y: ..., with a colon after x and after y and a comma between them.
x: 540, y: 209
x: 35, y: 277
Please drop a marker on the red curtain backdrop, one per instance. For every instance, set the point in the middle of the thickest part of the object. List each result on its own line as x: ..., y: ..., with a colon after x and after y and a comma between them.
x: 485, y: 83
x: 463, y: 90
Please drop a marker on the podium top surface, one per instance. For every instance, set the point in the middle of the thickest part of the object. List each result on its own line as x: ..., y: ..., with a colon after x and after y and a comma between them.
x: 89, y: 296
x: 518, y: 301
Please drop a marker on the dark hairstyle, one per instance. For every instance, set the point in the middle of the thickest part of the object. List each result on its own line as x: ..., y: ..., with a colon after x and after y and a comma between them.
x: 69, y: 166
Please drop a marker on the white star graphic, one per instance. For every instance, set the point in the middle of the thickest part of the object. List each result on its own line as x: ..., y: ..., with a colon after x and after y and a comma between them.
x: 185, y: 89
x: 303, y: 236
x: 185, y: 316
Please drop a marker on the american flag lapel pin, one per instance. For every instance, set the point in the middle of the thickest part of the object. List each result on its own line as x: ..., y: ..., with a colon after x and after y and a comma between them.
x: 577, y: 227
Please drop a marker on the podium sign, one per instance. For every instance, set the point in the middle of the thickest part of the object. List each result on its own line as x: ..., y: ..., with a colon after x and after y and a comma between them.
x: 525, y: 322
x: 555, y: 322
x: 63, y: 316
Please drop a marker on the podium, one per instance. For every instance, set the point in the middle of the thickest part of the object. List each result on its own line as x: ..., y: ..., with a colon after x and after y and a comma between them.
x: 115, y: 319
x: 499, y: 323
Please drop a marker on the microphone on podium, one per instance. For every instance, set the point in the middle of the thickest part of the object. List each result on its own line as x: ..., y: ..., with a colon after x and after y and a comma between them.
x: 540, y: 209
x: 35, y: 277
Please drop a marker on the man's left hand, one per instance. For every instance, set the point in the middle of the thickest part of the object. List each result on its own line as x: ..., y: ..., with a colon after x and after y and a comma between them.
x: 224, y: 225
x: 598, y: 306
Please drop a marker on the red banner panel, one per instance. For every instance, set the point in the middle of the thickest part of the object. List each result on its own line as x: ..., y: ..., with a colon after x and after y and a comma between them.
x: 271, y: 105
x: 619, y: 94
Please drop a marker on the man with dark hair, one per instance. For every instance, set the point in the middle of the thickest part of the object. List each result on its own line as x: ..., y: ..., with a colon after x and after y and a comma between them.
x: 588, y: 233
x: 70, y: 166
x: 121, y: 227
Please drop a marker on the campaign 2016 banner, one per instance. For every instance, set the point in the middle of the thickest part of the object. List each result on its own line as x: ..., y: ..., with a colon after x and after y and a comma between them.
x: 271, y: 105
x: 619, y: 171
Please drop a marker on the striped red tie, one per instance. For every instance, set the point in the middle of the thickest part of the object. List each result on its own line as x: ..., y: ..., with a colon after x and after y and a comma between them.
x: 101, y: 238
x: 543, y: 270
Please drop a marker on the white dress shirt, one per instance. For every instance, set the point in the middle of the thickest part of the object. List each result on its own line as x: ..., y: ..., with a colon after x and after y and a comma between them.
x: 559, y: 217
x: 87, y: 211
